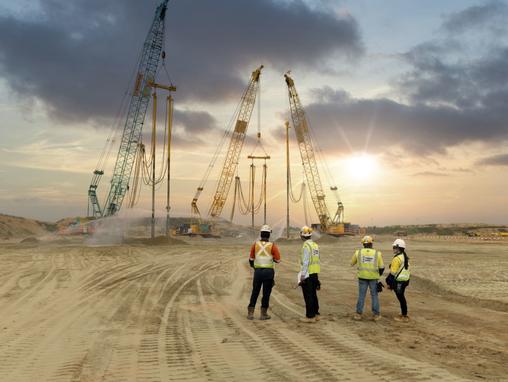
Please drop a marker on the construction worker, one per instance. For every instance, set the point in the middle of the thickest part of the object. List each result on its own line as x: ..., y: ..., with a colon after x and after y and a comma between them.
x: 398, y: 279
x: 263, y: 255
x: 309, y: 272
x: 370, y: 267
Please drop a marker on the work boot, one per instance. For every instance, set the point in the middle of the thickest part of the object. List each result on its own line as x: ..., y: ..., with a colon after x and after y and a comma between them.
x: 264, y: 315
x: 376, y: 317
x: 358, y: 317
x: 401, y: 318
x: 317, y: 318
x: 250, y: 313
x: 307, y: 320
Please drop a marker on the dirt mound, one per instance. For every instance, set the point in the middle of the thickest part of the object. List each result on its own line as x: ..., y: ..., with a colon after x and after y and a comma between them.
x: 158, y: 240
x: 30, y: 240
x: 17, y: 227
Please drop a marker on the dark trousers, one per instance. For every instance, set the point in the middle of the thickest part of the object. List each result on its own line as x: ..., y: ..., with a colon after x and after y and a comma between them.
x: 309, y: 289
x: 400, y: 288
x: 262, y: 277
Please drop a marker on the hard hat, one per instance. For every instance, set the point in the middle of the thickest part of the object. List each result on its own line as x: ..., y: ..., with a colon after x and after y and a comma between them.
x: 265, y: 228
x: 367, y: 240
x: 306, y: 231
x: 399, y: 243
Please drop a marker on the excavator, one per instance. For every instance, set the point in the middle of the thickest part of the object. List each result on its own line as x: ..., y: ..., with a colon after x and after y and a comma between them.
x: 333, y: 226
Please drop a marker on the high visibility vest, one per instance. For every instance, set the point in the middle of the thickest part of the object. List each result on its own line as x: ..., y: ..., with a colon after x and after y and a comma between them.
x: 367, y: 260
x: 402, y: 273
x: 313, y: 248
x: 264, y: 258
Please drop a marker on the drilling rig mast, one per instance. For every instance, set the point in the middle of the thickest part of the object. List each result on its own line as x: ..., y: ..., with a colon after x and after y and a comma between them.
x: 233, y: 154
x: 328, y: 225
x: 147, y: 69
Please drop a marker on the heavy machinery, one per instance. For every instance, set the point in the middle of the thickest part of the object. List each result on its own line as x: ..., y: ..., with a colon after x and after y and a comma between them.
x: 242, y: 117
x: 333, y: 226
x: 131, y: 136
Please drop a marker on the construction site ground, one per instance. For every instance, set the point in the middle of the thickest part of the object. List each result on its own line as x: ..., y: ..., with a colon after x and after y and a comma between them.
x: 143, y: 312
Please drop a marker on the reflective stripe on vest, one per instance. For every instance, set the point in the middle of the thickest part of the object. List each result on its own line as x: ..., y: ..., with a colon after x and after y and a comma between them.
x: 367, y: 260
x: 264, y: 258
x: 314, y: 264
x: 402, y: 273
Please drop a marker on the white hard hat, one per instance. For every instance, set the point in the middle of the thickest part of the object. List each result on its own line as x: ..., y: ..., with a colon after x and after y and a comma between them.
x: 367, y: 240
x: 399, y: 243
x: 306, y: 231
x: 265, y: 228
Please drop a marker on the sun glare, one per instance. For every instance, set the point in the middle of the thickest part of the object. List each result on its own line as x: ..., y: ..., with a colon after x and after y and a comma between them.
x: 362, y: 166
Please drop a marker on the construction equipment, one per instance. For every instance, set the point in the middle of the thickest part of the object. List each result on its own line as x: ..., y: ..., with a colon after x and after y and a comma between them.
x: 131, y: 136
x: 191, y: 229
x: 333, y: 226
x: 230, y: 165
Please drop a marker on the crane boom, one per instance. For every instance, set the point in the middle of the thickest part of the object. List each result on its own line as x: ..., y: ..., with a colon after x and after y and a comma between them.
x: 308, y: 156
x: 235, y: 145
x: 131, y: 135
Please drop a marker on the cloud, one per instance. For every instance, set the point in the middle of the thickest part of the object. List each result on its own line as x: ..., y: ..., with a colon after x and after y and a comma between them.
x: 194, y: 122
x: 343, y: 123
x: 494, y: 160
x: 76, y: 57
x: 430, y: 174
x: 449, y: 96
x: 492, y: 13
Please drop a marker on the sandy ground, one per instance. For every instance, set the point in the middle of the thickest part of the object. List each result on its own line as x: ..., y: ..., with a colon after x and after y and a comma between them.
x: 71, y: 312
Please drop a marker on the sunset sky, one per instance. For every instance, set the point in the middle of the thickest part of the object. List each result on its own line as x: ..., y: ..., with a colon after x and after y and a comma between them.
x: 408, y: 100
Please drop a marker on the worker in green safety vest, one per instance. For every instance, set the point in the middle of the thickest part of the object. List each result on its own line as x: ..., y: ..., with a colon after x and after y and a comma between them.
x: 308, y: 275
x: 399, y: 276
x: 369, y: 262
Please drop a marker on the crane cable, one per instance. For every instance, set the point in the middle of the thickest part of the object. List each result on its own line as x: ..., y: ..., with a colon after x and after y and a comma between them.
x: 142, y: 165
x: 328, y: 174
x: 245, y: 205
x: 108, y: 146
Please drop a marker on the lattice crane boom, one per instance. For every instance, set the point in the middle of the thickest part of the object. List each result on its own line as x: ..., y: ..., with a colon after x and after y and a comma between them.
x: 307, y: 153
x: 235, y: 145
x: 149, y: 62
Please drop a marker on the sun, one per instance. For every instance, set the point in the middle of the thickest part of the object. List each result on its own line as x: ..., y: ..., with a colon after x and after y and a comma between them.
x: 362, y: 166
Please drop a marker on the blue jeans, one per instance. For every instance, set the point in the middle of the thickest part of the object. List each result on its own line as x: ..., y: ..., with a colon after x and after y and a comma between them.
x: 362, y: 291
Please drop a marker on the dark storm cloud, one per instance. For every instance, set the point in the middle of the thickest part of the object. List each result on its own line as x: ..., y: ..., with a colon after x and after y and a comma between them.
x: 495, y: 160
x: 341, y: 122
x: 195, y: 121
x: 77, y: 56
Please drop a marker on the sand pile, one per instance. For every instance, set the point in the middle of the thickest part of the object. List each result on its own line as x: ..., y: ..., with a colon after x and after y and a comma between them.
x: 16, y: 227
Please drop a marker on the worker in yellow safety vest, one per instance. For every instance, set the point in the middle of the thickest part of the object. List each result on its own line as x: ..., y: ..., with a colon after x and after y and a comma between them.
x: 263, y: 255
x: 370, y: 266
x: 308, y: 275
x: 399, y: 276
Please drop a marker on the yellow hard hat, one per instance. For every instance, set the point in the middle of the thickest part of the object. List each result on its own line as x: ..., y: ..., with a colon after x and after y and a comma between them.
x: 306, y: 231
x: 367, y: 240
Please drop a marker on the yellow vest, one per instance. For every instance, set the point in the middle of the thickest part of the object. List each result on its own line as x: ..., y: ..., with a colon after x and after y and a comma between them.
x: 313, y: 248
x: 402, y: 274
x: 264, y: 258
x: 368, y: 260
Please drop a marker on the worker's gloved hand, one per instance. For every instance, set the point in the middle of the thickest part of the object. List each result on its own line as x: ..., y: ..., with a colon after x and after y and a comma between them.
x: 302, y: 279
x: 318, y: 286
x: 251, y: 263
x: 379, y: 287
